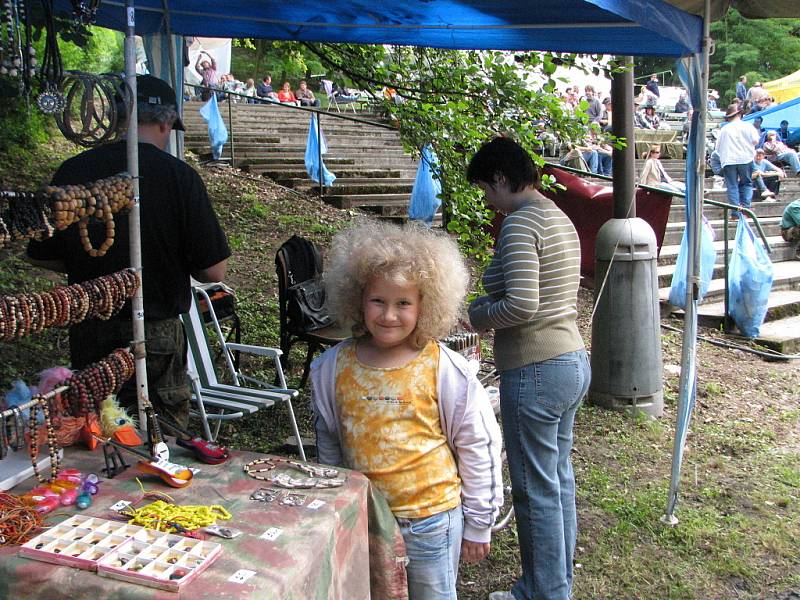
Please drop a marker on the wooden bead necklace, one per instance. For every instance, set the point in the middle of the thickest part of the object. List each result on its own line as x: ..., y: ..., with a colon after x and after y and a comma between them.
x: 42, y: 404
x: 99, y: 298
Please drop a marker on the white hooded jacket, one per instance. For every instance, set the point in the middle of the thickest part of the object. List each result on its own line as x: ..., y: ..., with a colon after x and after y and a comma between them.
x: 467, y: 421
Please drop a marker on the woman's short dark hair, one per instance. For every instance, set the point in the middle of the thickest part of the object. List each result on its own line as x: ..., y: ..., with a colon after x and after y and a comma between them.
x: 503, y: 156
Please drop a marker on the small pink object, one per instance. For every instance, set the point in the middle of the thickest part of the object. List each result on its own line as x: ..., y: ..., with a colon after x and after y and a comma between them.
x: 73, y: 475
x: 68, y: 497
x: 46, y: 505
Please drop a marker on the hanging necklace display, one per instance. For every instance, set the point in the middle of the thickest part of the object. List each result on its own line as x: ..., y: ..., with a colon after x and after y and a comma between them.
x: 50, y: 100
x: 10, y: 63
x: 28, y: 51
x: 85, y: 11
x: 90, y: 115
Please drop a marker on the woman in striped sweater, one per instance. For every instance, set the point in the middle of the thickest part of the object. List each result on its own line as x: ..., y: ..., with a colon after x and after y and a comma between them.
x: 531, y: 285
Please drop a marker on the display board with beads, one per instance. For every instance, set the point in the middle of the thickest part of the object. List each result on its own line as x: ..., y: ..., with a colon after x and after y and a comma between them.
x: 121, y: 551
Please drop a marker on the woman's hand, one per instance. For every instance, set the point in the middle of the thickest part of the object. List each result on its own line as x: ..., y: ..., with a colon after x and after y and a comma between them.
x: 474, y: 552
x: 477, y: 313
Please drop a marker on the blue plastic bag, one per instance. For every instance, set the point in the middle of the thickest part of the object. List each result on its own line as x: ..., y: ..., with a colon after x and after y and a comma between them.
x: 312, y: 159
x: 217, y: 132
x: 708, y: 256
x: 425, y: 199
x: 749, y: 281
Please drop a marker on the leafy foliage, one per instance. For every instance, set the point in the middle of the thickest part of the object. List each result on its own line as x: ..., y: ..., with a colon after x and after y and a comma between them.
x: 762, y: 49
x: 284, y: 61
x: 455, y: 101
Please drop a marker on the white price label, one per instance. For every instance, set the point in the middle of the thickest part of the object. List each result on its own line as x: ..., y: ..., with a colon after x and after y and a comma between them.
x: 271, y: 534
x: 119, y: 505
x: 241, y: 576
x: 315, y: 504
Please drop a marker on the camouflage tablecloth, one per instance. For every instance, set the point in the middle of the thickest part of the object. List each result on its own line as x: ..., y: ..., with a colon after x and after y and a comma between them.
x: 338, y: 551
x: 671, y: 146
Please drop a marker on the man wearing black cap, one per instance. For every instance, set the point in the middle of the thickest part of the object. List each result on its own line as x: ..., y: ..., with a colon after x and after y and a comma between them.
x: 736, y: 146
x: 181, y: 236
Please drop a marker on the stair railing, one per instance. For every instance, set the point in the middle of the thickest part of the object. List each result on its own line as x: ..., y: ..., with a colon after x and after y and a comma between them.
x: 312, y: 109
x: 727, y: 322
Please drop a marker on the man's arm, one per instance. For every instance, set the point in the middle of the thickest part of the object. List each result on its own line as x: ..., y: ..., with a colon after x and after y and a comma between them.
x: 213, y: 273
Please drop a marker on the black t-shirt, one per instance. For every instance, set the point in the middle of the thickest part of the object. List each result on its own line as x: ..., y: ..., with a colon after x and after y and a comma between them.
x: 179, y: 230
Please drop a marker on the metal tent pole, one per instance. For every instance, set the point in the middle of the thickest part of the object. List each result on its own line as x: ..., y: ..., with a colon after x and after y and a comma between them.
x: 137, y: 302
x: 688, y: 381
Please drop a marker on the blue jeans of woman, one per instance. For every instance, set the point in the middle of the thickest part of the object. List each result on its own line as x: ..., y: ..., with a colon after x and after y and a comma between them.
x: 739, y: 184
x: 433, y: 545
x: 538, y: 404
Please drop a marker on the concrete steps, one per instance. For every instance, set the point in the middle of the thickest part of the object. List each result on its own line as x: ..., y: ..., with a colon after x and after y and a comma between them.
x: 375, y: 174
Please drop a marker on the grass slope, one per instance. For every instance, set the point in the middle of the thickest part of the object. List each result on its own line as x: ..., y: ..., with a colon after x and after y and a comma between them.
x: 739, y: 507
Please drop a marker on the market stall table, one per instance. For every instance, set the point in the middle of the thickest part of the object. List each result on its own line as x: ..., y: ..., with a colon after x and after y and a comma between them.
x: 321, y: 552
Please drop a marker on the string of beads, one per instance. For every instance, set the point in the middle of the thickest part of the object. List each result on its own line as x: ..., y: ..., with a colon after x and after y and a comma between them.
x: 89, y: 387
x: 164, y: 516
x: 52, y: 445
x: 38, y: 215
x: 99, y: 298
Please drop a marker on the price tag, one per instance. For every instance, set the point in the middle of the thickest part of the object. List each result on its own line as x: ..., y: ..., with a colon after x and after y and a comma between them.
x: 315, y: 504
x: 241, y: 576
x: 119, y: 505
x: 271, y: 534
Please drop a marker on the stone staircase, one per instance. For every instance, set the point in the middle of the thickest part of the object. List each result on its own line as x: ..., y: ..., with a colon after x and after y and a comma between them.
x: 372, y: 171
x: 781, y: 329
x: 374, y: 174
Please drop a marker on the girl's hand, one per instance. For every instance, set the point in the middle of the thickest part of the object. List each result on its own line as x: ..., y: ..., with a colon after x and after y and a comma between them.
x: 474, y: 552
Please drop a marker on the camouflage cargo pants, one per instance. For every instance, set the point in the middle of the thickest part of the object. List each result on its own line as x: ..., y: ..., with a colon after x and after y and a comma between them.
x: 167, y: 382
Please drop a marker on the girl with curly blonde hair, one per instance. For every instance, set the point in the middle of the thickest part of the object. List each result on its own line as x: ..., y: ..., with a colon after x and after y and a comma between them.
x: 402, y: 408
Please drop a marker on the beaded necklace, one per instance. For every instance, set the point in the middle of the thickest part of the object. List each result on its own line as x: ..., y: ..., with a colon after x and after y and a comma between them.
x: 319, y: 476
x: 52, y: 445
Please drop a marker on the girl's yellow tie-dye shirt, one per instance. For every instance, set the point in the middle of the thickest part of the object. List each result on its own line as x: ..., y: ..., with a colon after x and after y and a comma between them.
x: 391, y: 432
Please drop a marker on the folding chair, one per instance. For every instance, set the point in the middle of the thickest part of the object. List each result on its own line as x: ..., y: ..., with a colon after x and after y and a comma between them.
x: 333, y: 99
x: 315, y: 340
x: 246, y: 394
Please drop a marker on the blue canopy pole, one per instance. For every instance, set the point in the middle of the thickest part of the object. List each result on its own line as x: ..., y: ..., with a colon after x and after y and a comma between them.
x: 694, y: 73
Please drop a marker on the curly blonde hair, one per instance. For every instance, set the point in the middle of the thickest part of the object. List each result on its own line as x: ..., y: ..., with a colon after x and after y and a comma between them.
x: 402, y: 255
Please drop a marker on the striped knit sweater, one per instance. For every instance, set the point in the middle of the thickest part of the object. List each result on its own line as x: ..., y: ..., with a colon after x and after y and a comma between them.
x: 533, y: 284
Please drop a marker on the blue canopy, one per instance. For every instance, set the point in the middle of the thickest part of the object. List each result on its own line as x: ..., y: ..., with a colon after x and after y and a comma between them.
x: 772, y: 117
x: 630, y: 27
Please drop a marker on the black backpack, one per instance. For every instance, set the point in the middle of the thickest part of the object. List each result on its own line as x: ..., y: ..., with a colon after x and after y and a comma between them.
x: 305, y: 295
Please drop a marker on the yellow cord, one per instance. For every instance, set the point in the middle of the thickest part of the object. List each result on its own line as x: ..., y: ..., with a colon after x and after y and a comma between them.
x: 161, y: 516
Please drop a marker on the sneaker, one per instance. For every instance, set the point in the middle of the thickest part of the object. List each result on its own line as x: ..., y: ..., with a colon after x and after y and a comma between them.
x: 501, y: 596
x: 767, y: 194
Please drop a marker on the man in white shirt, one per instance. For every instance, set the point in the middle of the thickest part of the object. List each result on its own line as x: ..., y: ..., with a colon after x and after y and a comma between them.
x: 735, y: 147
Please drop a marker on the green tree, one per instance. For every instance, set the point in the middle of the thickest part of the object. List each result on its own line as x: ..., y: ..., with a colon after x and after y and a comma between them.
x: 455, y: 101
x: 284, y: 61
x: 762, y: 49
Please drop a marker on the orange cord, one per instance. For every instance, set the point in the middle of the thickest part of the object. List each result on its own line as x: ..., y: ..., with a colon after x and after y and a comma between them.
x: 18, y: 521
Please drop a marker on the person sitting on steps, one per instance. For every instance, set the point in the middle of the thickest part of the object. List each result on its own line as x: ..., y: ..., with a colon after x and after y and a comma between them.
x: 305, y: 95
x: 766, y: 176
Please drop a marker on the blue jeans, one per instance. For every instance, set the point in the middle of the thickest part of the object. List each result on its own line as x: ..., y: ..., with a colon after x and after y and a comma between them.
x: 433, y: 545
x: 791, y: 159
x: 739, y: 184
x: 592, y: 160
x: 604, y: 164
x: 538, y: 404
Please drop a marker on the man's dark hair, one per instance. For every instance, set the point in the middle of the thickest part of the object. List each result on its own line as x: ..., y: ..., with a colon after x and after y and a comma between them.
x: 503, y: 156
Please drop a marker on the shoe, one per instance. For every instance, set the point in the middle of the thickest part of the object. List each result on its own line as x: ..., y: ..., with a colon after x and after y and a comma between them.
x: 767, y: 194
x: 501, y: 596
